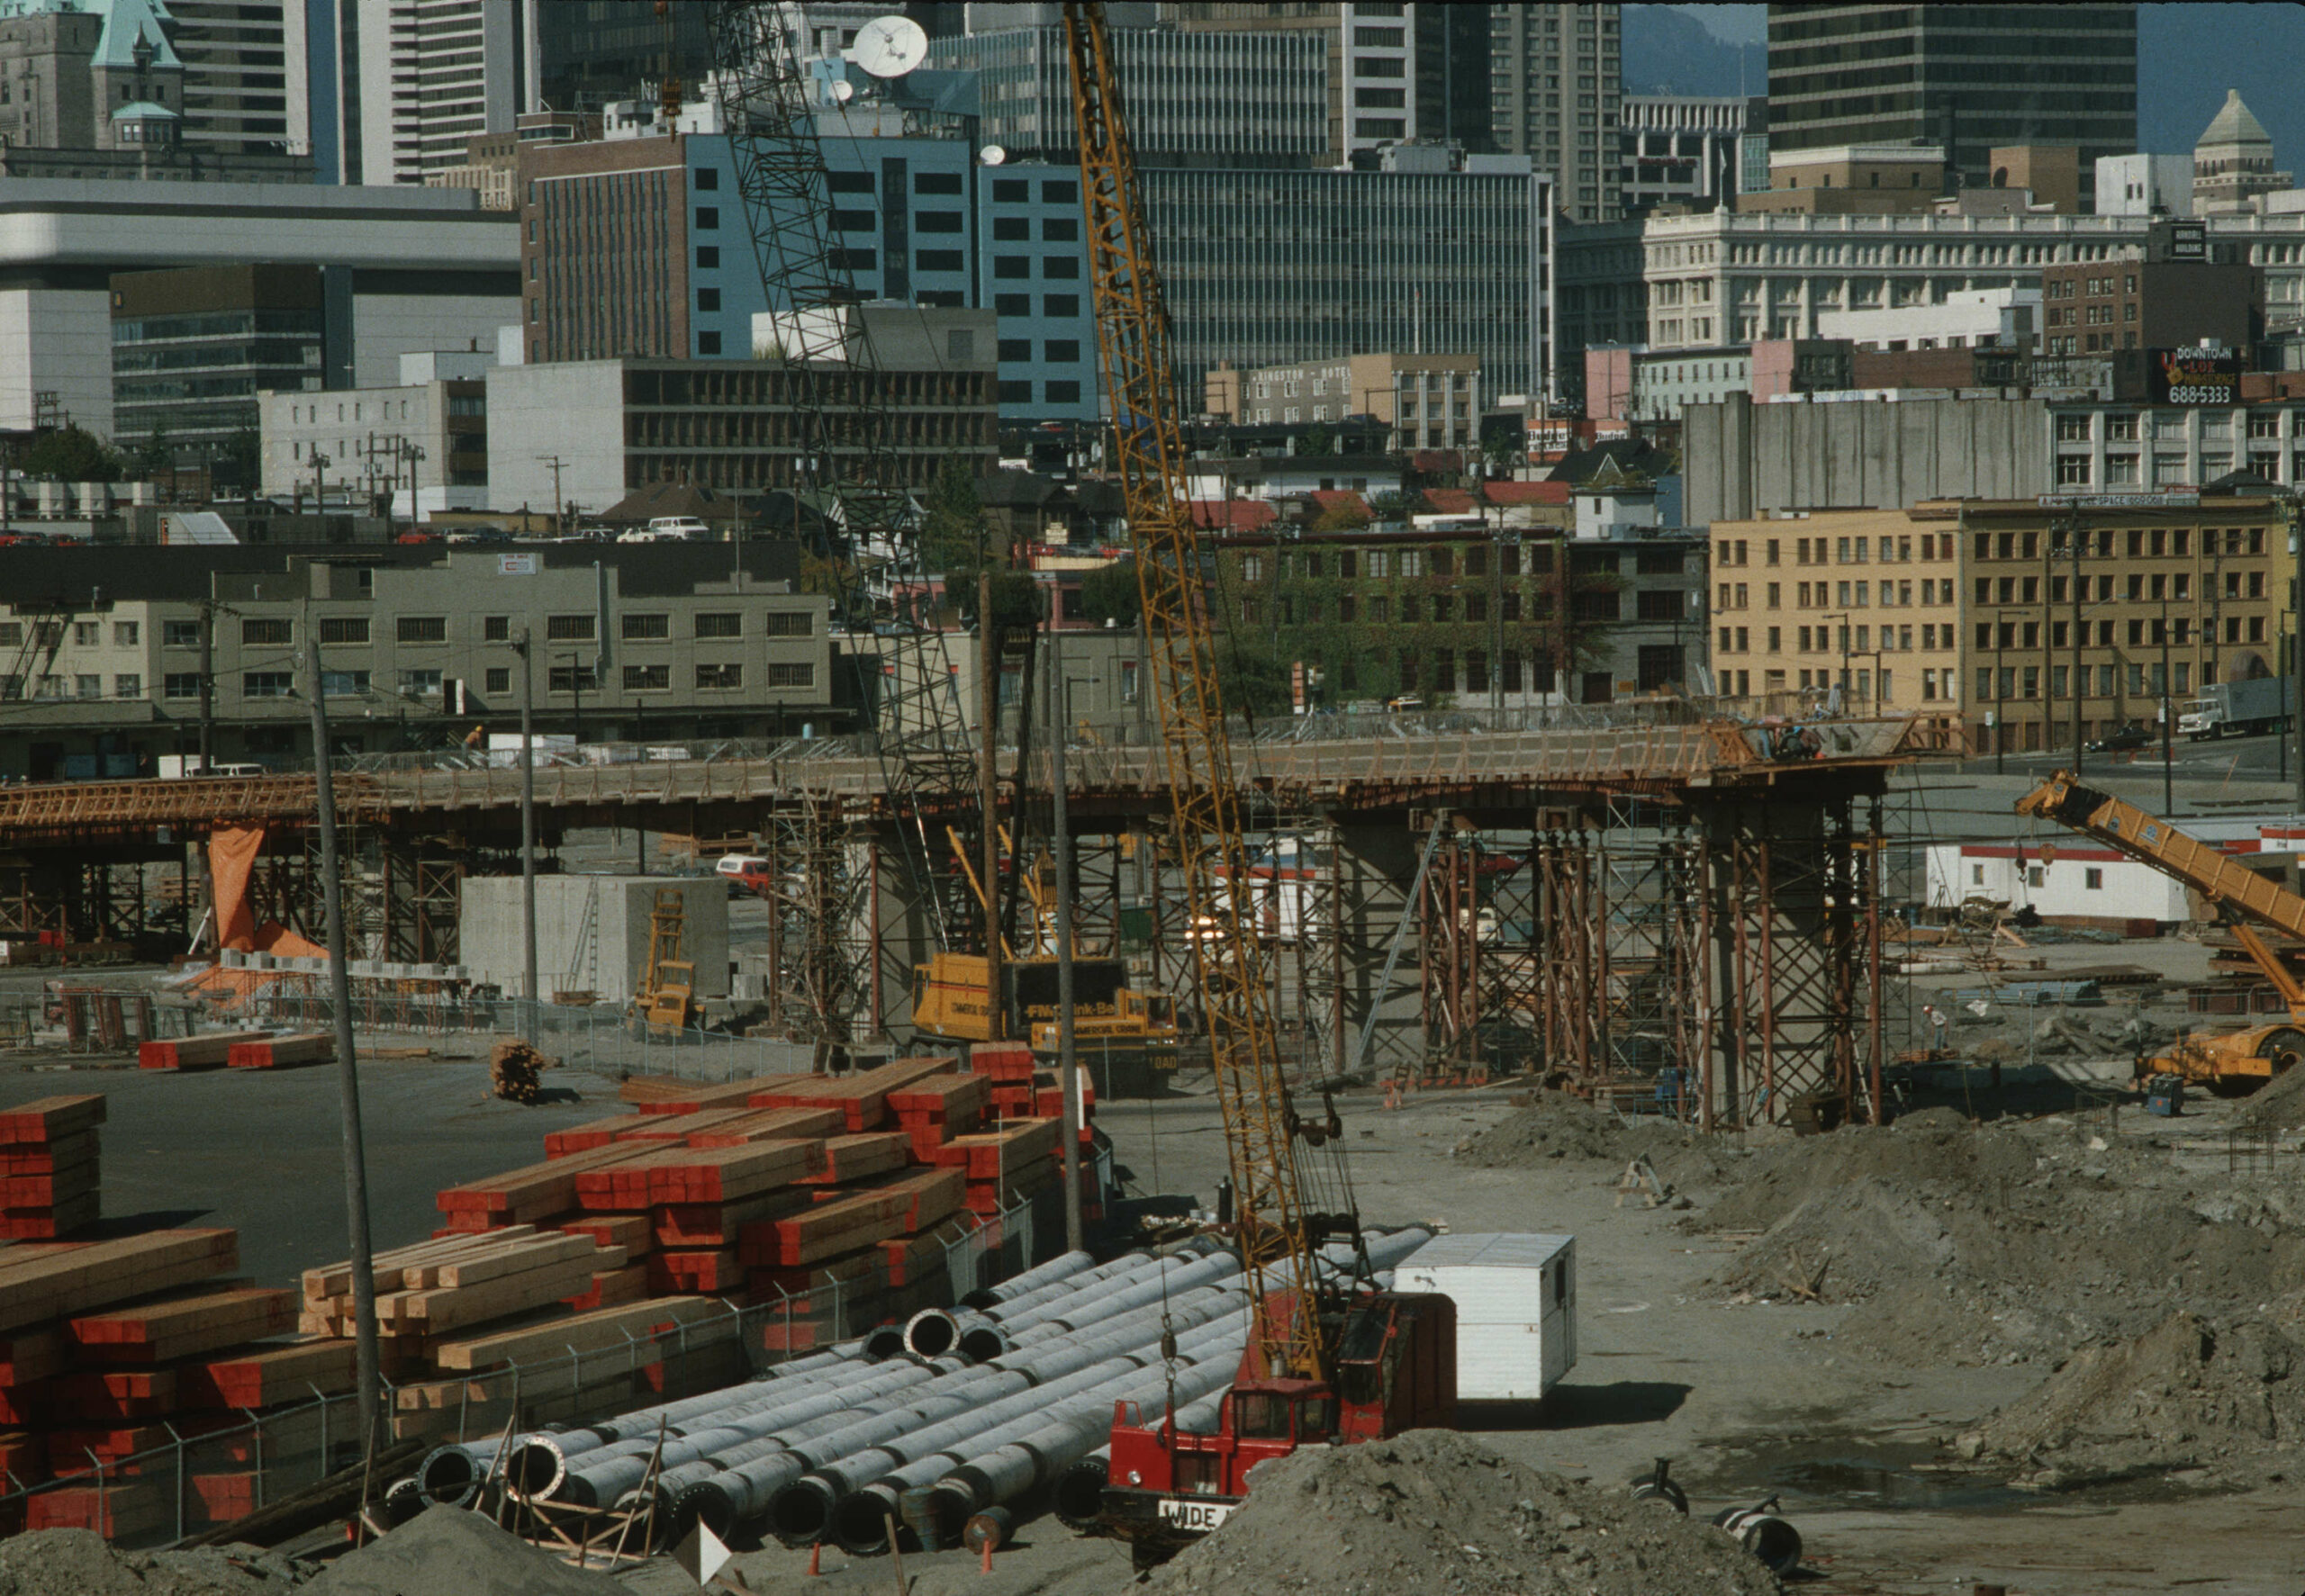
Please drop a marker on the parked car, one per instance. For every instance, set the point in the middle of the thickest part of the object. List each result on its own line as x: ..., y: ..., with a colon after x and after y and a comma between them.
x: 2126, y: 739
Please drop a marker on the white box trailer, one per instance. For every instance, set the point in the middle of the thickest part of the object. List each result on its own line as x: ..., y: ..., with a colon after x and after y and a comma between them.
x: 1517, y: 1310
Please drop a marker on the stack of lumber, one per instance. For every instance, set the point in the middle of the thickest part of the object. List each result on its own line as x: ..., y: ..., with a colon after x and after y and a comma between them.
x: 282, y: 1052
x: 49, y: 1176
x: 209, y: 1051
x: 107, y: 1346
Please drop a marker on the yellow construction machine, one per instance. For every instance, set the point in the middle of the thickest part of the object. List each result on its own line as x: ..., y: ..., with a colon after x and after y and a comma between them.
x: 665, y: 998
x: 2228, y: 1062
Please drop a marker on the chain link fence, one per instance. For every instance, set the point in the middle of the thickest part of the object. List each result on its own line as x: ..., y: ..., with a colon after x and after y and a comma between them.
x: 190, y: 1472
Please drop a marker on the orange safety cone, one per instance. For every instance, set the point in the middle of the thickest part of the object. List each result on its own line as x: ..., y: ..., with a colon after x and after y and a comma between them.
x: 1392, y: 1094
x: 986, y: 1568
x: 815, y: 1552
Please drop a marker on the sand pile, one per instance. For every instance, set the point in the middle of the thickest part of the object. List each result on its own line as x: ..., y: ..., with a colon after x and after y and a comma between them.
x: 2189, y: 1393
x: 450, y: 1552
x: 80, y: 1563
x: 2007, y: 1244
x: 1433, y: 1513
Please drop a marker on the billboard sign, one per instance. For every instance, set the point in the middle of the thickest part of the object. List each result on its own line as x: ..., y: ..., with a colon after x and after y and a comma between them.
x: 2192, y: 376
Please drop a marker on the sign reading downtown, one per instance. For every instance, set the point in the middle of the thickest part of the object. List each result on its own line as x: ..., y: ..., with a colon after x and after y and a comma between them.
x: 2192, y: 376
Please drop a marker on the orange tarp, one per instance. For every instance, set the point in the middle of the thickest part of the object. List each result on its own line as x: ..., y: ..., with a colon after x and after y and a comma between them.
x: 232, y: 861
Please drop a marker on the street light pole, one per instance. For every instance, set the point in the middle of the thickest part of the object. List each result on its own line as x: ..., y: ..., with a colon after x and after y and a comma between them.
x: 527, y: 835
x: 2073, y: 538
x: 2168, y: 768
x: 1059, y: 697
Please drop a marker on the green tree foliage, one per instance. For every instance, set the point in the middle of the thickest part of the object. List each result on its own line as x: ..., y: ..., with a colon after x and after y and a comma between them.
x: 237, y: 465
x: 951, y: 524
x: 1319, y: 442
x: 70, y: 455
x: 1109, y: 593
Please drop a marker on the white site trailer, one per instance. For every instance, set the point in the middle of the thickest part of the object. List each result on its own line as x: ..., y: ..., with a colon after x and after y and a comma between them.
x: 1517, y: 1310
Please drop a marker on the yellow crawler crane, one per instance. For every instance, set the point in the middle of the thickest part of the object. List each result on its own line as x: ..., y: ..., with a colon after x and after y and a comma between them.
x: 2229, y: 1062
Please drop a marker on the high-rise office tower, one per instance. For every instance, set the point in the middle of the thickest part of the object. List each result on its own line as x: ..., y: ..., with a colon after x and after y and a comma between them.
x: 1397, y: 74
x: 1965, y: 77
x: 246, y: 87
x: 415, y: 78
x: 1555, y: 89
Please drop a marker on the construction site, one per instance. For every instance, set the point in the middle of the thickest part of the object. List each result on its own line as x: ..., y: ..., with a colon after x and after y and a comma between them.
x: 1631, y: 1148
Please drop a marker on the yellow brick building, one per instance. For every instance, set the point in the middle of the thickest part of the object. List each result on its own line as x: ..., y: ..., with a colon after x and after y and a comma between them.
x: 2003, y: 609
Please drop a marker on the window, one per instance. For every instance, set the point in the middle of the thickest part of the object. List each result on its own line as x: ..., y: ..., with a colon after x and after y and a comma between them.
x: 124, y: 634
x: 645, y: 629
x: 88, y: 634
x: 708, y: 178
x: 936, y: 222
x: 267, y: 684
x: 707, y: 299
x: 1060, y: 192
x: 1060, y: 267
x: 708, y: 219
x: 341, y: 684
x: 708, y: 258
x: 1061, y: 304
x: 423, y: 628
x: 720, y: 676
x: 493, y: 628
x: 344, y: 628
x: 264, y: 633
x: 1012, y: 191
x: 499, y: 679
x: 707, y: 343
x: 647, y: 679
x: 720, y: 623
x: 787, y: 673
x: 936, y: 183
x: 569, y: 628
x: 791, y: 623
x: 569, y: 679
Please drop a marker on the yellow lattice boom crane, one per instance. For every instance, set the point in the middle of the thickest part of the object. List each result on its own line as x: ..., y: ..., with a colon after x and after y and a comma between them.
x: 2229, y: 1061
x: 1326, y: 1360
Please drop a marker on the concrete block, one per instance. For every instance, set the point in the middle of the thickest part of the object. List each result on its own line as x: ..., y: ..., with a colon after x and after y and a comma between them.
x: 607, y: 958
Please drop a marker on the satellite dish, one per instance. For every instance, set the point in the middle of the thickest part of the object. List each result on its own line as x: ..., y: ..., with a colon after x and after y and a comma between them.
x: 992, y: 155
x: 843, y: 91
x: 890, y: 46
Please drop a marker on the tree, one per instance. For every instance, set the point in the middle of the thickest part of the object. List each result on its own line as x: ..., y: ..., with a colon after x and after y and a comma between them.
x: 70, y: 455
x: 150, y: 458
x: 1344, y: 515
x: 237, y: 465
x: 1318, y: 441
x: 1109, y: 593
x: 952, y: 523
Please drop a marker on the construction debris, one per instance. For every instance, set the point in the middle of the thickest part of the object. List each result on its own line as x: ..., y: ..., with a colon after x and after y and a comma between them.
x: 1433, y: 1511
x: 80, y: 1563
x: 515, y: 1070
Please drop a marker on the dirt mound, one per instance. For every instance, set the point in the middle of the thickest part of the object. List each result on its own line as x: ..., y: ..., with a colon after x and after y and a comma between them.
x: 1433, y: 1513
x: 2007, y: 1245
x: 2187, y: 1394
x: 1555, y: 1125
x: 450, y: 1552
x: 80, y: 1563
x: 2278, y: 1104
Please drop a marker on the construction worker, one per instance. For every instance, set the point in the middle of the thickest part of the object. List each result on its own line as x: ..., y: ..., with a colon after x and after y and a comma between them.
x: 476, y: 736
x: 1943, y: 1026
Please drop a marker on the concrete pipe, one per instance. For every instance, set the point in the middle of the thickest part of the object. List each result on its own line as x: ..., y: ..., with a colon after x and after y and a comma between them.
x: 542, y: 1465
x: 1210, y: 1355
x: 930, y: 1333
x: 884, y: 1343
x: 1063, y: 1266
x: 404, y: 1500
x: 985, y: 1337
x: 801, y: 1511
x: 449, y: 1475
x: 1762, y: 1533
x: 1042, y: 1455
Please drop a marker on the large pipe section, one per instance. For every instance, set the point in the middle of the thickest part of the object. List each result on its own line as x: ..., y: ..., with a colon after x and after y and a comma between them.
x: 1063, y: 1267
x: 936, y: 1331
x: 858, y: 1519
x: 800, y: 1512
x: 1055, y: 1319
x: 544, y: 1469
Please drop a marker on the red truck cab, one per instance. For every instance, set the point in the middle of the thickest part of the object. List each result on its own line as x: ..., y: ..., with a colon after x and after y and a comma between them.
x: 1395, y: 1361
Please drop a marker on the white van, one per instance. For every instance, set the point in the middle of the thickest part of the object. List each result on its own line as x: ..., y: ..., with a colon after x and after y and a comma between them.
x: 669, y: 530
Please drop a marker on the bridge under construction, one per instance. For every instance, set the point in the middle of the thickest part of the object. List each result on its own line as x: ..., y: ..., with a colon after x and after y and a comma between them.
x: 1597, y: 898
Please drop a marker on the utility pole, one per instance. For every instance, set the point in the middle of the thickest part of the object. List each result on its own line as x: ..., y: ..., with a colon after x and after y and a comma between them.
x: 556, y: 461
x: 319, y: 491
x: 2073, y: 540
x: 348, y: 1065
x: 207, y: 685
x: 2168, y: 770
x: 528, y: 837
x: 2295, y: 516
x: 988, y: 669
x: 1068, y: 1063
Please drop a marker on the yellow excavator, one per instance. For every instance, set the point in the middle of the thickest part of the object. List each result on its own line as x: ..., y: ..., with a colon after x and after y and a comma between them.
x: 2228, y: 1062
